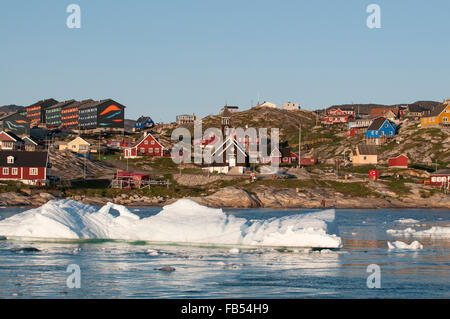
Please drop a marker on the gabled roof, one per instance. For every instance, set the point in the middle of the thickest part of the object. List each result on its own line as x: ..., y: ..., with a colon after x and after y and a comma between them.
x: 79, y: 138
x: 29, y: 140
x: 79, y: 103
x: 399, y: 155
x: 12, y: 136
x: 44, y: 103
x: 226, y: 112
x: 437, y: 110
x: 61, y: 104
x: 416, y: 108
x: 143, y: 137
x: 367, y: 149
x: 377, y: 124
x: 24, y: 159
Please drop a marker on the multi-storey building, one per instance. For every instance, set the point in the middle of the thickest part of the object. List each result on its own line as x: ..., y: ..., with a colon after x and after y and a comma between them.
x: 70, y: 114
x: 102, y: 116
x: 53, y: 113
x: 36, y: 112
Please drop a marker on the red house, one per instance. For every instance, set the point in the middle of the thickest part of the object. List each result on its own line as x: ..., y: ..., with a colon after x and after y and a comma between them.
x: 401, y: 161
x: 308, y: 161
x: 30, y: 168
x: 440, y: 178
x: 336, y: 119
x: 147, y: 145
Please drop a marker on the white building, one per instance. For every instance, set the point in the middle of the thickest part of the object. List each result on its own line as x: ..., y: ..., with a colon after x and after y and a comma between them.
x: 267, y: 104
x: 290, y: 106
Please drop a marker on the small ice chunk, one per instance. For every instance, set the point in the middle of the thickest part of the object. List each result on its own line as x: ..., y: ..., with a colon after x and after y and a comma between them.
x: 401, y: 232
x: 407, y: 221
x: 399, y: 245
x: 152, y: 252
x: 234, y: 251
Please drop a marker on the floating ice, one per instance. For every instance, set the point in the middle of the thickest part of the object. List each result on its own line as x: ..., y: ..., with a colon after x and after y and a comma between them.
x: 184, y: 221
x: 436, y: 231
x: 407, y: 221
x: 399, y: 245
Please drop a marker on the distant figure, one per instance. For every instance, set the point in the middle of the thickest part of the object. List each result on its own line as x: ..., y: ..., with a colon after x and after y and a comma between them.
x: 323, y: 203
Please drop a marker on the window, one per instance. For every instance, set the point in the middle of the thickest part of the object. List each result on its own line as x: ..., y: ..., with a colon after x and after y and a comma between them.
x: 5, y: 171
x: 150, y: 150
x: 33, y: 171
x: 10, y: 159
x: 156, y: 150
x: 153, y: 142
x: 146, y: 142
x: 15, y: 171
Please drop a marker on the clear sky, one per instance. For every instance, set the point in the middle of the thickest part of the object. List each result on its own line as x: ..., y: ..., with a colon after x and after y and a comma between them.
x: 166, y: 57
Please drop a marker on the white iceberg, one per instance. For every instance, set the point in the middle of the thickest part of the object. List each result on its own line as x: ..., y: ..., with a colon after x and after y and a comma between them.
x: 184, y: 221
x: 436, y: 232
x: 399, y: 245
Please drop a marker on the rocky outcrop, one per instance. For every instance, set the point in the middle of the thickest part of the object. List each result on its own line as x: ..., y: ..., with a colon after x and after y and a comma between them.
x: 230, y: 197
x: 198, y: 180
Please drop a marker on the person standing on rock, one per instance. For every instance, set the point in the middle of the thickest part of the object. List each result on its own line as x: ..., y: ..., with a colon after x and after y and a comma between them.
x: 323, y: 203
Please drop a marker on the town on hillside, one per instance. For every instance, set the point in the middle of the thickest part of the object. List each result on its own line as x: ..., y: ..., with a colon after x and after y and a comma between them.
x: 342, y: 156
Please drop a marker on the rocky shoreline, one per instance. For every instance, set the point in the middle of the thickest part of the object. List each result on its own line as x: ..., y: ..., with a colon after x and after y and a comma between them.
x: 261, y: 197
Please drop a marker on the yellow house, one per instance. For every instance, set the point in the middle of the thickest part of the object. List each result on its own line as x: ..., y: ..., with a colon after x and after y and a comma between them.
x: 440, y: 114
x: 365, y: 154
x: 78, y: 145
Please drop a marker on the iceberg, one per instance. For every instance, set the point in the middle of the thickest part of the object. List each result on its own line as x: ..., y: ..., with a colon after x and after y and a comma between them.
x: 399, y: 245
x: 184, y: 221
x: 435, y: 232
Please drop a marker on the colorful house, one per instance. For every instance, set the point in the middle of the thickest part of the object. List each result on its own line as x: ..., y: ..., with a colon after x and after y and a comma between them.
x: 10, y: 141
x: 440, y: 178
x: 380, y: 128
x: 400, y: 161
x: 365, y: 154
x: 30, y: 168
x: 78, y: 145
x: 439, y: 115
x: 147, y: 145
x: 143, y: 122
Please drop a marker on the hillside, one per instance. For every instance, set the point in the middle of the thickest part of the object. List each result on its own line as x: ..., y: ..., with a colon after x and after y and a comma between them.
x: 7, y: 109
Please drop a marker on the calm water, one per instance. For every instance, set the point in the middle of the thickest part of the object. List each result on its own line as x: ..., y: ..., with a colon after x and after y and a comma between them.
x: 124, y: 270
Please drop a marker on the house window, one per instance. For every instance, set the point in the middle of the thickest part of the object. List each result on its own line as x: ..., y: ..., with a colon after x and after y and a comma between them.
x: 153, y: 142
x: 33, y: 171
x: 10, y: 159
x: 150, y: 150
x: 5, y: 171
x: 146, y: 142
x: 156, y: 150
x: 142, y: 150
x: 15, y: 171
x: 365, y: 157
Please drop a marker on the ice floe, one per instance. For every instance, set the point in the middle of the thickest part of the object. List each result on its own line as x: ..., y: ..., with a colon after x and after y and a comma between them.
x: 399, y: 245
x: 184, y: 221
x: 436, y: 231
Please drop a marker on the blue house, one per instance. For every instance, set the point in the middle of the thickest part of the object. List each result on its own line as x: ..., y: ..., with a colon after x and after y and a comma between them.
x: 143, y: 122
x: 381, y: 128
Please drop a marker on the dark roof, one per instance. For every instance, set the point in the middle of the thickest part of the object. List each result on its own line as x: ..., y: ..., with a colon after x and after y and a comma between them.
x: 44, y: 103
x: 416, y: 108
x: 79, y: 103
x: 143, y: 119
x: 62, y: 104
x: 24, y: 159
x: 285, y: 152
x: 445, y: 171
x: 367, y: 149
x: 226, y: 112
x: 377, y: 124
x: 437, y: 110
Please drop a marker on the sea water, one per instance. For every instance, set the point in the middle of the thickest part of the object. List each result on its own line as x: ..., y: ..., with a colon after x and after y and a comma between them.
x: 132, y: 269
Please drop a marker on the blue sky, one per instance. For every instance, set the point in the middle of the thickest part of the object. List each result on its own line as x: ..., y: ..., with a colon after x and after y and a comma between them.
x: 163, y: 58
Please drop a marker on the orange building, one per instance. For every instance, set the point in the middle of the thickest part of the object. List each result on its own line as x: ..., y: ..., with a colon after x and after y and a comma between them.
x: 439, y: 115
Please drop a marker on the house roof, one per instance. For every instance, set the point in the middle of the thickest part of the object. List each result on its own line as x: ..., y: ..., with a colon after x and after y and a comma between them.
x: 12, y: 135
x: 78, y: 103
x: 399, y: 155
x: 24, y: 159
x: 437, y: 110
x: 143, y: 137
x: 222, y: 149
x: 44, y: 103
x: 367, y: 149
x: 416, y: 108
x: 445, y: 171
x: 79, y: 138
x: 61, y: 104
x: 383, y: 110
x: 29, y: 140
x: 285, y: 152
x: 377, y: 124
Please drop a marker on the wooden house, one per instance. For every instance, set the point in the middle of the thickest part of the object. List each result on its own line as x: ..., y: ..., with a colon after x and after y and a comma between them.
x: 147, y: 145
x: 400, y: 161
x: 365, y: 154
x: 30, y: 168
x: 440, y: 178
x: 440, y: 115
x: 10, y: 141
x: 380, y: 130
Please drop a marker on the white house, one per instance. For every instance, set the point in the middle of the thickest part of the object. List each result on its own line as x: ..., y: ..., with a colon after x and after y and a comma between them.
x: 267, y: 104
x: 290, y: 106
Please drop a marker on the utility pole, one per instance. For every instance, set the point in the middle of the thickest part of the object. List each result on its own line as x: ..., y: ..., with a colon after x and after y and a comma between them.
x: 300, y: 146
